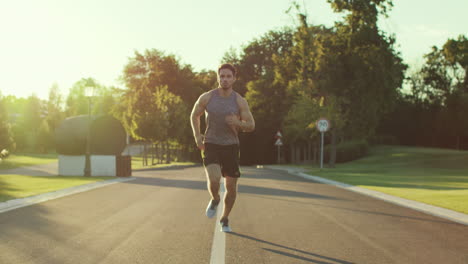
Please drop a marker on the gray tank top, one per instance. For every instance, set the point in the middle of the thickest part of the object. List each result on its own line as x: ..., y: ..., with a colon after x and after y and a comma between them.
x: 217, y: 130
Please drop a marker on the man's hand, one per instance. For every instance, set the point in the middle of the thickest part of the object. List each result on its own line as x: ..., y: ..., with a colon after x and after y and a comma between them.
x: 199, y: 141
x: 233, y: 121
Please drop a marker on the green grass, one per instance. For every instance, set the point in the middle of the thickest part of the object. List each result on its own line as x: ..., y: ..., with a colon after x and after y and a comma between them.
x: 18, y: 186
x: 23, y: 159
x: 137, y: 163
x: 433, y: 176
x: 13, y: 186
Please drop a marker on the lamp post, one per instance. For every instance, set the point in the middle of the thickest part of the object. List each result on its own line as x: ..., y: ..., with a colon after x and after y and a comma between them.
x: 89, y: 92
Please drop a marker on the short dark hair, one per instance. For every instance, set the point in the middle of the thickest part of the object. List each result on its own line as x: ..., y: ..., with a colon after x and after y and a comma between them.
x: 228, y: 66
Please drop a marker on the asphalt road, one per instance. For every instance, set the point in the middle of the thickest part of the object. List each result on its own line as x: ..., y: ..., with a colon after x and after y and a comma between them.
x: 278, y: 218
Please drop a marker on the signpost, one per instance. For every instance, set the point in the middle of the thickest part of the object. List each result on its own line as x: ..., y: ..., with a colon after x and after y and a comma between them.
x: 278, y: 143
x: 322, y: 125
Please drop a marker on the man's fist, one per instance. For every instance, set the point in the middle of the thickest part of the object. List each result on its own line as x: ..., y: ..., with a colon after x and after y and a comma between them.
x: 199, y: 141
x: 233, y: 120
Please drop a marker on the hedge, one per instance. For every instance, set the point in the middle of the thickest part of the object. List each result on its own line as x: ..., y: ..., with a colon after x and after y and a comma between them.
x: 347, y: 151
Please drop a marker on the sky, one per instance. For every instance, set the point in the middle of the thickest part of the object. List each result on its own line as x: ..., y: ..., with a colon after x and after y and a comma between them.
x: 61, y: 41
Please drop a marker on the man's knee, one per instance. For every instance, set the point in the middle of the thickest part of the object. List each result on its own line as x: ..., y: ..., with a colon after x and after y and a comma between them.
x: 213, y: 172
x: 214, y: 182
x: 231, y: 185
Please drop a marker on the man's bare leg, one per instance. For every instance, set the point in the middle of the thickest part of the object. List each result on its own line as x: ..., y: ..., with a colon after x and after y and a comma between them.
x: 213, y: 175
x: 230, y: 197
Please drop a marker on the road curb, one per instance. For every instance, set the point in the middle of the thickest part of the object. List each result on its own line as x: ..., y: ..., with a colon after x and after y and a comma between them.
x: 22, y: 202
x: 448, y: 214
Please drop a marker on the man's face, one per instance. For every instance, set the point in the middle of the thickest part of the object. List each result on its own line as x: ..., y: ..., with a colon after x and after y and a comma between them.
x: 226, y: 79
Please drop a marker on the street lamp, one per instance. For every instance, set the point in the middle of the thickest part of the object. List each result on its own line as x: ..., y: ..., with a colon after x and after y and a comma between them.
x: 89, y: 93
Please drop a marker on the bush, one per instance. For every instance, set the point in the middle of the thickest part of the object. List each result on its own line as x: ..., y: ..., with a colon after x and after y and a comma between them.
x: 348, y: 151
x: 383, y: 140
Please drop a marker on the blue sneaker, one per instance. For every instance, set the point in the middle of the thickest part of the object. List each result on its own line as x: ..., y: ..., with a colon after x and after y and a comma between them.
x: 211, y: 208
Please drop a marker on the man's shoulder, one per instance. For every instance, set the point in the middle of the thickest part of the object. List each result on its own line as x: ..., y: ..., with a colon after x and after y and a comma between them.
x: 205, y: 97
x: 240, y: 100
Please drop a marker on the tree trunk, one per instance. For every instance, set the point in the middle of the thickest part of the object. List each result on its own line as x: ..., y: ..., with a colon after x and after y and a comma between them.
x: 293, y: 159
x: 168, y: 153
x: 153, y: 149
x: 298, y: 154
x: 333, y: 149
x: 315, y: 154
x: 160, y: 153
x: 144, y: 155
x: 304, y: 152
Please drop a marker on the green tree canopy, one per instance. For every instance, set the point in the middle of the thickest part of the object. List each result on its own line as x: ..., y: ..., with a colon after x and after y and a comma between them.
x: 6, y: 139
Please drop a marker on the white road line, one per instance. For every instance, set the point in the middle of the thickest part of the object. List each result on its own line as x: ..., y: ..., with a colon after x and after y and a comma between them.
x: 218, y: 248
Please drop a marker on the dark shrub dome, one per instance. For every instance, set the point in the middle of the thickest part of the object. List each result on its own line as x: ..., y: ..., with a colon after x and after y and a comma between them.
x: 108, y: 136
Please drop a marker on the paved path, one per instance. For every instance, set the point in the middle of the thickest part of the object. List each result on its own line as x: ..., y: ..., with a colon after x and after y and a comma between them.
x: 419, y: 206
x: 278, y: 218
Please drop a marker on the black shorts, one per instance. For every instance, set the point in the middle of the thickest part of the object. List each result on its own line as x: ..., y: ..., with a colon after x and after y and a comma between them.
x: 226, y: 156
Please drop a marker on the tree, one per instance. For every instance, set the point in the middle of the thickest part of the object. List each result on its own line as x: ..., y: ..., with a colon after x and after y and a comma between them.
x: 105, y: 100
x: 371, y: 70
x: 44, y: 138
x: 153, y: 73
x: 256, y: 59
x: 445, y: 79
x: 154, y: 68
x: 28, y: 123
x: 55, y: 115
x: 77, y: 103
x: 269, y: 106
x: 456, y: 53
x: 300, y: 122
x: 363, y: 14
x: 161, y: 118
x: 15, y: 106
x: 266, y: 95
x: 431, y: 113
x: 6, y: 139
x: 351, y: 69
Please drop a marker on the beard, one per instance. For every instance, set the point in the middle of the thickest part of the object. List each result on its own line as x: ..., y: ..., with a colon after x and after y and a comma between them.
x: 225, y: 87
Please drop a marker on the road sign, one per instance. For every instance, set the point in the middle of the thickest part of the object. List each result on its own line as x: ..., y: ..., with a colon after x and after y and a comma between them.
x: 279, y: 142
x: 278, y: 135
x: 323, y: 125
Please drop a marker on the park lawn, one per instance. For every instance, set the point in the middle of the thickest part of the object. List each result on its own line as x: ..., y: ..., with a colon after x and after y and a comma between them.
x: 14, y: 186
x: 137, y: 163
x: 433, y: 176
x: 23, y: 159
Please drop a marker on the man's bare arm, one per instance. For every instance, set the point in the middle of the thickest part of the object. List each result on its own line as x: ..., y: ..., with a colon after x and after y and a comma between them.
x: 247, y: 122
x: 197, y: 111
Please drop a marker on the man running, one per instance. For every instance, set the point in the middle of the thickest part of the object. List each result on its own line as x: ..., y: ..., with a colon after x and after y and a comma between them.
x: 226, y: 114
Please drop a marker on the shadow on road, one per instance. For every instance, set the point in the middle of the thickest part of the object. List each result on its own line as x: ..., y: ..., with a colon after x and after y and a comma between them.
x: 168, y: 168
x: 281, y: 192
x: 201, y: 185
x: 21, y: 229
x: 359, y: 211
x: 334, y: 260
x: 270, y: 174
